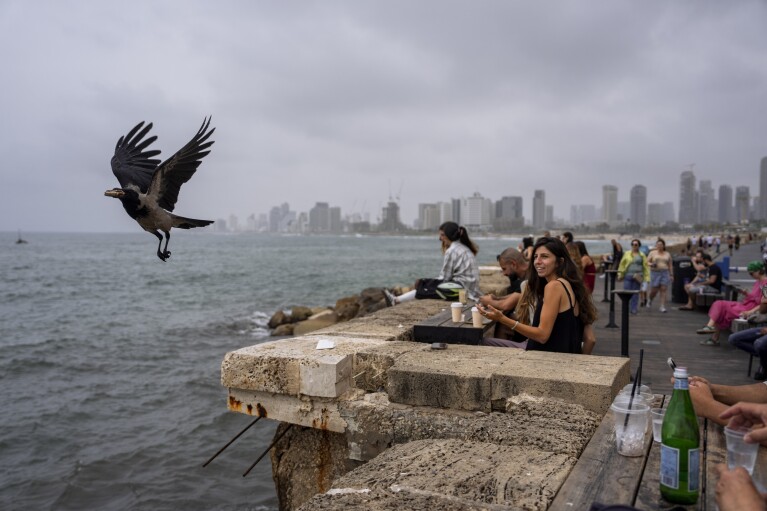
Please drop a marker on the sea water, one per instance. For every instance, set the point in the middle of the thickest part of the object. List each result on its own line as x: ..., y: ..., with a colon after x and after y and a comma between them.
x: 110, y: 358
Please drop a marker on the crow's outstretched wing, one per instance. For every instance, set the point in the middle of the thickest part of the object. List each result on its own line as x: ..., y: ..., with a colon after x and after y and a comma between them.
x: 130, y: 163
x: 179, y: 168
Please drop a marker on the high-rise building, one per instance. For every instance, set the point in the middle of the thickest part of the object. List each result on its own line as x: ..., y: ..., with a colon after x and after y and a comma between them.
x: 609, y: 203
x: 390, y: 221
x: 763, y: 190
x: 742, y: 203
x: 508, y: 214
x: 549, y: 216
x: 725, y: 204
x: 688, y: 204
x: 456, y: 210
x: 655, y: 214
x: 668, y: 212
x: 477, y: 211
x: 706, y: 202
x: 638, y: 206
x: 319, y: 217
x: 335, y: 219
x: 428, y: 217
x: 539, y: 209
x: 446, y: 212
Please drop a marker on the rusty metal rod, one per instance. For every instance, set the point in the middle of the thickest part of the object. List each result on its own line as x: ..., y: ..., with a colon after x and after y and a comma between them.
x: 230, y: 442
x: 267, y: 450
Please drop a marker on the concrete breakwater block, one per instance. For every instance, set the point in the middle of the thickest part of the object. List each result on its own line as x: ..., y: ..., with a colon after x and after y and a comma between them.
x: 482, y: 378
x: 450, y: 474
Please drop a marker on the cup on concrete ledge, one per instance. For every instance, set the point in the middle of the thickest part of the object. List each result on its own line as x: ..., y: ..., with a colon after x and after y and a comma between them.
x: 739, y: 453
x: 476, y: 318
x: 456, y: 309
x: 630, y: 427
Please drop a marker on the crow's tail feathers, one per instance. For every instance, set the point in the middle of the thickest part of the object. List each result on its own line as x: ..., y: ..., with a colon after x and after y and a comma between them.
x: 181, y: 222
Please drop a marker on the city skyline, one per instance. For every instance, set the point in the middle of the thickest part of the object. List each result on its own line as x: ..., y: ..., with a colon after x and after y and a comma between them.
x: 698, y: 204
x: 350, y: 103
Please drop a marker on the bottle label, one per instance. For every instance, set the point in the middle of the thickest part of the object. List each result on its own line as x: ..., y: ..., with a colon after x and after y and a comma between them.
x: 669, y: 466
x: 681, y: 383
x: 693, y: 464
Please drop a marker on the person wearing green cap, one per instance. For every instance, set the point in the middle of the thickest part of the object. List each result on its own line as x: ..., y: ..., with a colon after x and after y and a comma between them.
x: 722, y: 312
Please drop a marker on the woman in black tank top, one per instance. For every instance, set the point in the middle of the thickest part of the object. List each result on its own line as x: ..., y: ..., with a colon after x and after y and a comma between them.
x: 562, y: 303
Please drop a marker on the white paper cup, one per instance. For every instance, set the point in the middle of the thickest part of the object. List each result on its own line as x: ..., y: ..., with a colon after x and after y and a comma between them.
x: 476, y: 318
x: 739, y: 453
x: 462, y: 295
x: 630, y: 427
x: 456, y: 309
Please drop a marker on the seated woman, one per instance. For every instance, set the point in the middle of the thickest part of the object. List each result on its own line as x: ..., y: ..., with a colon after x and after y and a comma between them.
x: 722, y: 312
x: 589, y: 268
x: 459, y: 264
x: 562, y: 305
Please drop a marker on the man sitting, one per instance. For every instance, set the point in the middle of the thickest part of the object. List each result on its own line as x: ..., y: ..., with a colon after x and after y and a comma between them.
x: 711, y: 284
x: 515, y: 266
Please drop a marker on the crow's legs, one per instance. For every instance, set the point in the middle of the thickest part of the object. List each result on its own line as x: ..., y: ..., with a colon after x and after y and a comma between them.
x: 164, y: 255
x: 166, y: 252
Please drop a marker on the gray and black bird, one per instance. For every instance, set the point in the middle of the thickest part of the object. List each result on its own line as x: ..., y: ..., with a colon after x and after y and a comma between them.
x: 149, y: 189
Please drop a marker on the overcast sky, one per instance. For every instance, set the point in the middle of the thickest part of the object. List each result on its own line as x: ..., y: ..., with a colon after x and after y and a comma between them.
x: 347, y: 102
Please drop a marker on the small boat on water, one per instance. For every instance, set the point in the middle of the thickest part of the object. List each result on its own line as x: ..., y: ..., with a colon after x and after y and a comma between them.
x: 20, y: 240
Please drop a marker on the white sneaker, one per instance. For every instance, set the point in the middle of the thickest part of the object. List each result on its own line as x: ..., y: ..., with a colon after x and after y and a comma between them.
x: 662, y: 308
x: 649, y: 303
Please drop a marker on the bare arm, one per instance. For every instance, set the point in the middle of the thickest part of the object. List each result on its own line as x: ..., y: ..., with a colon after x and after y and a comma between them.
x: 552, y: 299
x: 589, y: 339
x: 504, y: 303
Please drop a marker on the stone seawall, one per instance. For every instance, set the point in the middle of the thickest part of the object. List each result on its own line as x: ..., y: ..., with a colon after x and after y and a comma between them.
x: 380, y: 421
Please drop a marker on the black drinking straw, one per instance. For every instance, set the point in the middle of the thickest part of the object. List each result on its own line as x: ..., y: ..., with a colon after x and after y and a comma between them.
x: 637, y: 379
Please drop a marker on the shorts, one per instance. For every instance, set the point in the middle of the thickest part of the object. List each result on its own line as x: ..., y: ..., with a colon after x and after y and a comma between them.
x: 660, y: 278
x: 703, y: 290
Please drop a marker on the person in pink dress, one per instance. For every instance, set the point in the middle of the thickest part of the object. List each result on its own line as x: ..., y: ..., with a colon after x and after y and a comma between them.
x: 722, y: 312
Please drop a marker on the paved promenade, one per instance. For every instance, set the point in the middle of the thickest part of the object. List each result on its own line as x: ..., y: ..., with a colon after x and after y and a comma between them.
x: 672, y: 334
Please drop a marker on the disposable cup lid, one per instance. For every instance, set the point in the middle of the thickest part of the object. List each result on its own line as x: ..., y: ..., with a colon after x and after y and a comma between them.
x: 622, y: 406
x: 456, y: 304
x: 474, y: 309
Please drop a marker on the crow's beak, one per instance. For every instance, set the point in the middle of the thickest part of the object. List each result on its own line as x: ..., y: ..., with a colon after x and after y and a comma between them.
x: 114, y: 192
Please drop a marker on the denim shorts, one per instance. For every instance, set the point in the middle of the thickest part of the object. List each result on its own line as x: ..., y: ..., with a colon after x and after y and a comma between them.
x: 660, y: 278
x: 703, y: 289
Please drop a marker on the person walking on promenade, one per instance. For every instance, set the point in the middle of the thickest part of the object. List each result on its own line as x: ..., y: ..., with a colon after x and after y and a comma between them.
x: 560, y: 300
x: 459, y: 265
x: 661, y: 273
x: 617, y: 253
x: 722, y: 312
x: 633, y: 270
x: 737, y: 242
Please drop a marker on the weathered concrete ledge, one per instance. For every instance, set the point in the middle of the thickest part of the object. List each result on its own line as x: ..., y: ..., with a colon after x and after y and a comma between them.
x: 521, y: 412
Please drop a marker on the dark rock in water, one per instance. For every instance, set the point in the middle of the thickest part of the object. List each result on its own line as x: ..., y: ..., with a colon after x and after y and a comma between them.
x: 371, y: 300
x: 277, y: 319
x: 300, y: 313
x: 284, y: 330
x: 347, y: 308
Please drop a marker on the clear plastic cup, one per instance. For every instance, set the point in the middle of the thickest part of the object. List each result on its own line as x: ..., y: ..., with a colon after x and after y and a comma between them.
x: 630, y: 427
x: 657, y: 414
x: 739, y: 453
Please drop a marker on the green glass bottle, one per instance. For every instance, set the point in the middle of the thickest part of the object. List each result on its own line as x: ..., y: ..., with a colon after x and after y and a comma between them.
x: 680, y: 446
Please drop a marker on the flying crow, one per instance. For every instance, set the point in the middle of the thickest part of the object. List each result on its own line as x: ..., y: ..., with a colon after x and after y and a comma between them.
x: 149, y: 188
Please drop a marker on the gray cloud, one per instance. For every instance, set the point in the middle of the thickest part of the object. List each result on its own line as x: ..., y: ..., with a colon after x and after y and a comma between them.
x: 339, y: 101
